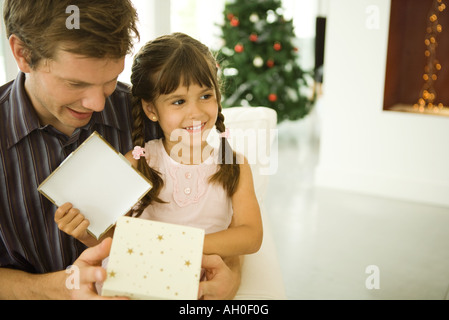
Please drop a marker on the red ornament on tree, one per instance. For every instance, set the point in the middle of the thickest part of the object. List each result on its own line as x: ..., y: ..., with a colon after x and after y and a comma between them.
x: 277, y: 46
x: 235, y: 22
x: 270, y: 63
x: 239, y: 48
x: 253, y: 37
x: 273, y: 97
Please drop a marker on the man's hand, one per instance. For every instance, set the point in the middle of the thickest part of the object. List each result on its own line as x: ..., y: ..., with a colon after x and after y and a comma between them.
x: 17, y: 284
x: 222, y: 279
x: 89, y: 266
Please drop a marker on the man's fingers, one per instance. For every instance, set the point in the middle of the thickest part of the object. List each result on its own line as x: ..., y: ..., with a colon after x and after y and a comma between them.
x: 92, y: 275
x: 222, y: 283
x: 91, y: 272
x: 95, y: 255
x: 208, y: 290
x: 211, y: 261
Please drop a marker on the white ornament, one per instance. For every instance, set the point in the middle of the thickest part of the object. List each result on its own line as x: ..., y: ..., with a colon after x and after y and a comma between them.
x: 258, y: 62
x: 271, y: 16
x: 254, y: 18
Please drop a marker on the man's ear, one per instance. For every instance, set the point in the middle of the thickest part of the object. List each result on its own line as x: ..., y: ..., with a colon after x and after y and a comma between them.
x: 20, y: 53
x: 149, y: 110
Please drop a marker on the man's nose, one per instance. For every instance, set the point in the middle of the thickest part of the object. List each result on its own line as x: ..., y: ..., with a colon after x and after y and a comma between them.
x: 95, y: 100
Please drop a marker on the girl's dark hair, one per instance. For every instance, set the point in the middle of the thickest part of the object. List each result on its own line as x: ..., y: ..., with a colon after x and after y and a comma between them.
x: 158, y: 70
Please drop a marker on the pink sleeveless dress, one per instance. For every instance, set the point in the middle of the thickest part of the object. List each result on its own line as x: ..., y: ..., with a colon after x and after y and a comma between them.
x: 191, y: 199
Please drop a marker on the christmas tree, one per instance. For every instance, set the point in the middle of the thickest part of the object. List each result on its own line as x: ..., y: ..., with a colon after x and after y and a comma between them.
x: 259, y: 61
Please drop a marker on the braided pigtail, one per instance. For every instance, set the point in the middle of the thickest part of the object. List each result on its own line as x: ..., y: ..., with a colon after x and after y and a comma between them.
x: 229, y: 170
x: 138, y: 137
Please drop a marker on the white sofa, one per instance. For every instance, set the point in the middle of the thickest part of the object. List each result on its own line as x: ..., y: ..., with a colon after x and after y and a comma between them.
x: 261, y: 274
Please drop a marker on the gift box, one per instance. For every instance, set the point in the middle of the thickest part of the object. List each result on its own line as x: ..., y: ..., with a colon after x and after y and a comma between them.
x: 97, y: 180
x: 151, y: 260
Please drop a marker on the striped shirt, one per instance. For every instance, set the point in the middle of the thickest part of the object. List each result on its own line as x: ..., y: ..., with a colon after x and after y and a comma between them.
x: 29, y: 238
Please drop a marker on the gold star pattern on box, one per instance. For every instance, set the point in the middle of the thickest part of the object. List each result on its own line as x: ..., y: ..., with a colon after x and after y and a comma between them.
x: 154, y: 260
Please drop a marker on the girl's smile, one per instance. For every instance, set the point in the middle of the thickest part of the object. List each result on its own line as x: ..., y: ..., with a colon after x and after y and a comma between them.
x: 197, y: 128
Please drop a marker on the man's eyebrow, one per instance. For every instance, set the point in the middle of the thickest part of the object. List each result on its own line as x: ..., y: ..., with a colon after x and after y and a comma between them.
x: 83, y: 83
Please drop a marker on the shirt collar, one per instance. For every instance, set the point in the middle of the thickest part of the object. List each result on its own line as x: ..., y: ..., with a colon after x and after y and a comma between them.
x: 24, y: 120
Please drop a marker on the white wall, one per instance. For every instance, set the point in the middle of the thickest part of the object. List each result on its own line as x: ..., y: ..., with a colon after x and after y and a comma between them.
x: 363, y: 148
x: 154, y: 21
x: 8, y: 66
x: 199, y: 19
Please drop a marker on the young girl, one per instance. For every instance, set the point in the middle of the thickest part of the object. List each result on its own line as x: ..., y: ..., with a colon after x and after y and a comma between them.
x: 175, y: 84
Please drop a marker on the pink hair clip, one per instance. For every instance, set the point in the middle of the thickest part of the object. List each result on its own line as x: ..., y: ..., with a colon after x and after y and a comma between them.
x: 225, y: 134
x: 138, y: 152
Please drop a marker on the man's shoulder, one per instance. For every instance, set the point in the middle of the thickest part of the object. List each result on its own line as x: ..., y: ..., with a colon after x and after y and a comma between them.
x: 121, y: 95
x: 123, y: 88
x: 5, y: 91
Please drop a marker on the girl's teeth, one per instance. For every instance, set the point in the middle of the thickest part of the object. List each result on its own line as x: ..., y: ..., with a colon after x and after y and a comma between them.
x: 194, y: 128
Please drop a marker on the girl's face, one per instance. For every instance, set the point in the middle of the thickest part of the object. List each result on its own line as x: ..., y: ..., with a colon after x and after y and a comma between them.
x: 186, y: 117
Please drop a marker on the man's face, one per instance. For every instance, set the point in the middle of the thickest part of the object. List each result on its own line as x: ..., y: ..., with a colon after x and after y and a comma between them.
x: 67, y: 90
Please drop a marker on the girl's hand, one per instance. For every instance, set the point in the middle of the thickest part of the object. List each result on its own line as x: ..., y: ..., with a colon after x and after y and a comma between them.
x: 71, y: 221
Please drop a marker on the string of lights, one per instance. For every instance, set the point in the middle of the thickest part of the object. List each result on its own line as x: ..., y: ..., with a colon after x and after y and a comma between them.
x: 428, y: 94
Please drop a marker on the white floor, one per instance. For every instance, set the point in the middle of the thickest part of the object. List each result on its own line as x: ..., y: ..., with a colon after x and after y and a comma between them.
x: 326, y: 239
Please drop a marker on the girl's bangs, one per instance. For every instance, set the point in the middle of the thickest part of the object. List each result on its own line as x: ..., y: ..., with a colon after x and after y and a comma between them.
x: 188, y: 69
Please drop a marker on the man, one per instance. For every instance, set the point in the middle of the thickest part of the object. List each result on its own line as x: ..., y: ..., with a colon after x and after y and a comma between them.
x: 67, y: 88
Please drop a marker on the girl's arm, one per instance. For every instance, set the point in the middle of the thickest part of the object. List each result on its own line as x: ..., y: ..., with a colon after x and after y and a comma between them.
x: 244, y: 235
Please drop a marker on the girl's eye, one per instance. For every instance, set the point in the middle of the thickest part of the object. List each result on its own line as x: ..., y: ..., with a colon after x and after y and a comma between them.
x: 206, y: 97
x: 179, y: 102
